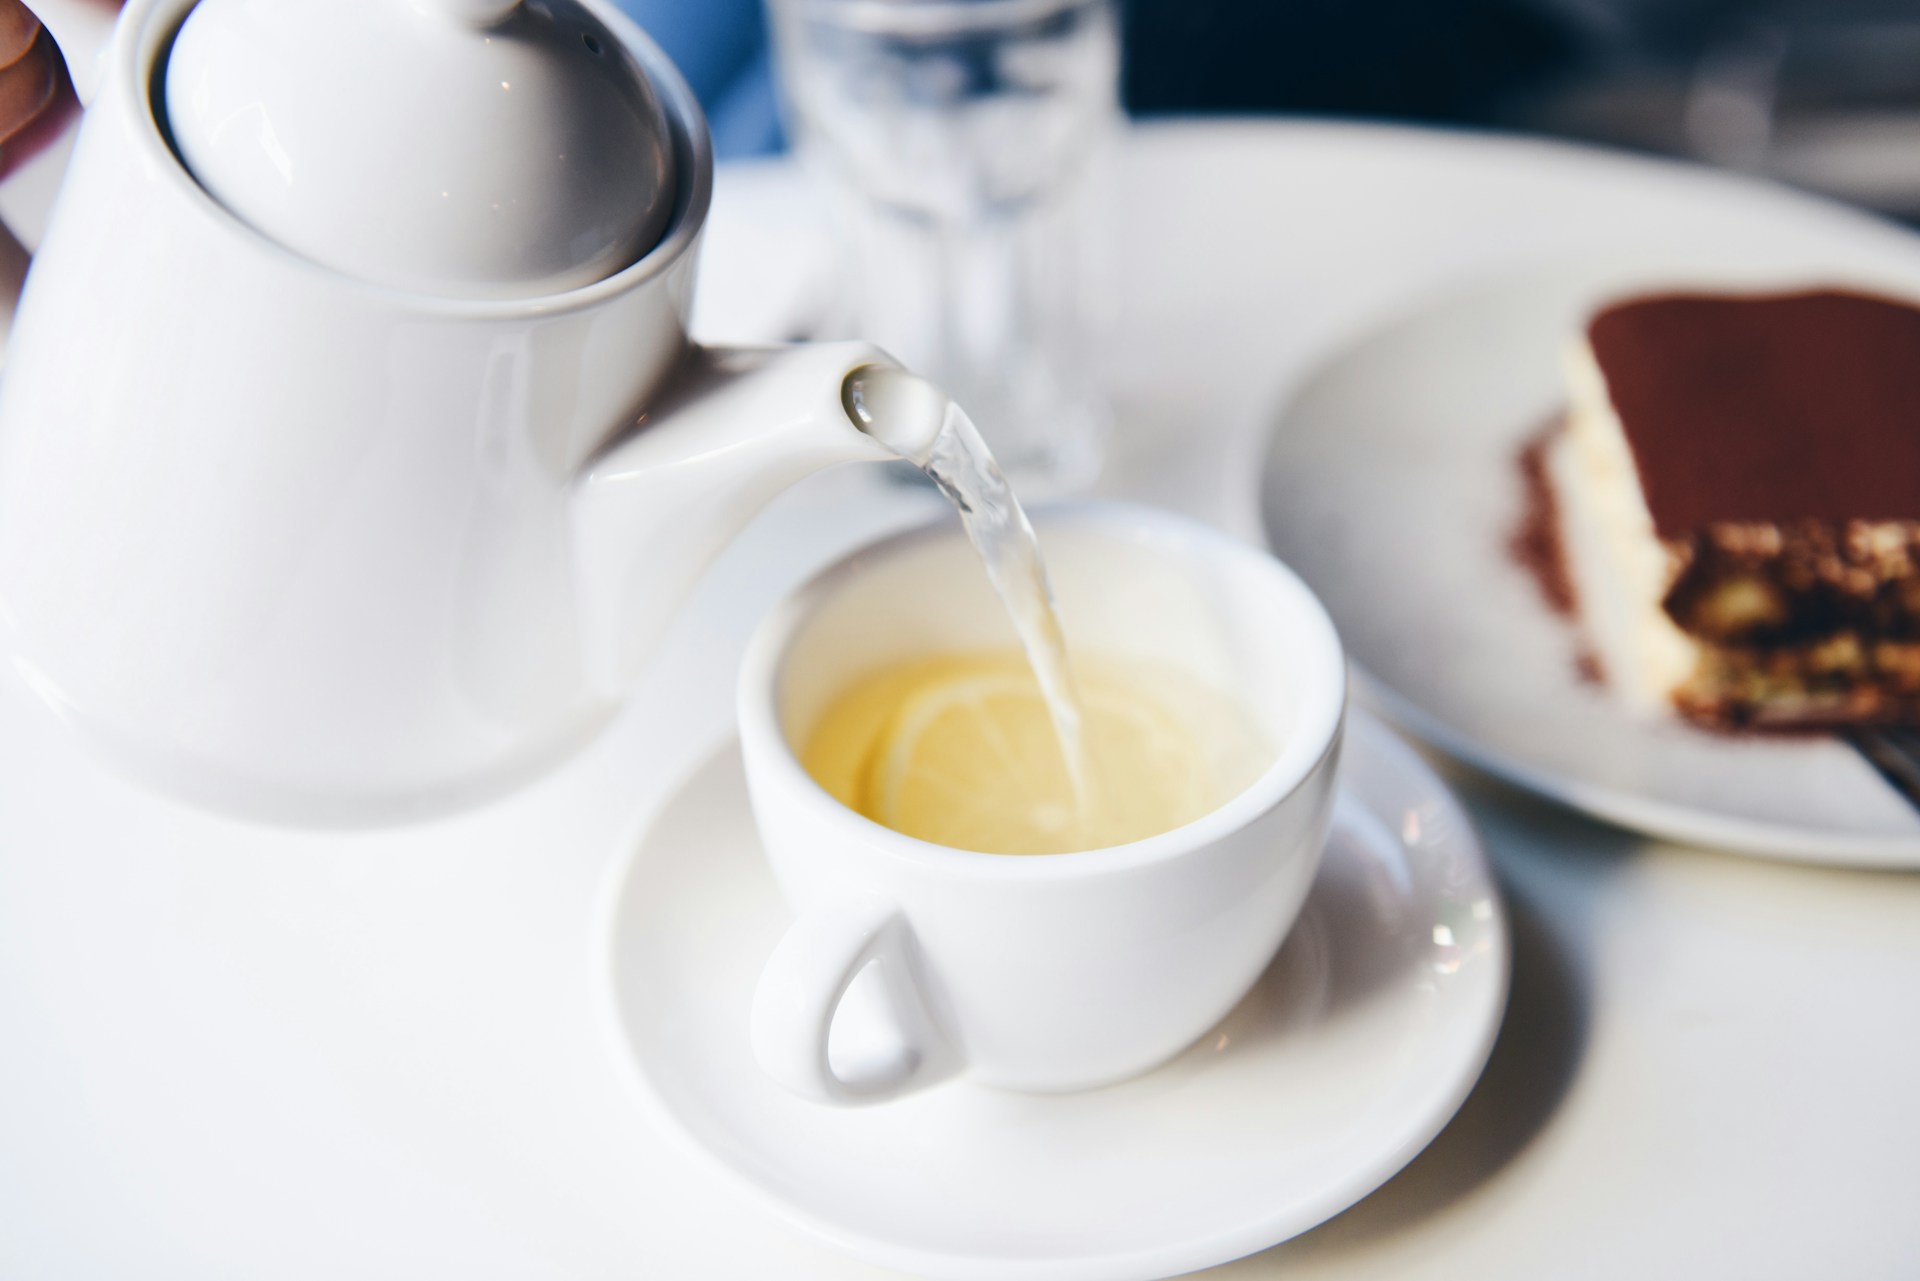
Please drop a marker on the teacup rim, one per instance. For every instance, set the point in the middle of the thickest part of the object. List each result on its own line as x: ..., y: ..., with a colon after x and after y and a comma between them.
x: 1322, y: 717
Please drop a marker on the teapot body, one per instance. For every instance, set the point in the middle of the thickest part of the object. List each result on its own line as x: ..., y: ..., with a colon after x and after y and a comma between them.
x: 291, y: 544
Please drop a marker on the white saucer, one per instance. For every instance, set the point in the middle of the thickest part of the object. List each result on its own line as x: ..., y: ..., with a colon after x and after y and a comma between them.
x: 1392, y: 487
x: 1355, y: 1048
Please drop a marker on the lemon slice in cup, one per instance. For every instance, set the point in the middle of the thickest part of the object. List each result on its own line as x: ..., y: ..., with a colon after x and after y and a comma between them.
x: 970, y: 760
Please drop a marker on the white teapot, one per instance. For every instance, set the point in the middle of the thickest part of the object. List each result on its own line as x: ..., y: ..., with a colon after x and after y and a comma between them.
x: 353, y: 452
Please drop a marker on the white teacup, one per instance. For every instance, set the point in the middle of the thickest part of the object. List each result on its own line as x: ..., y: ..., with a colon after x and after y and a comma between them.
x: 1037, y: 972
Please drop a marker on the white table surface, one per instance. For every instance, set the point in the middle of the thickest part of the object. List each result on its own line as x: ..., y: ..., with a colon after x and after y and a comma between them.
x: 226, y: 1052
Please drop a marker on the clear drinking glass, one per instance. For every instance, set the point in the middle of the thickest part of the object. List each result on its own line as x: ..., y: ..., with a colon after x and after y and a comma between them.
x: 965, y: 146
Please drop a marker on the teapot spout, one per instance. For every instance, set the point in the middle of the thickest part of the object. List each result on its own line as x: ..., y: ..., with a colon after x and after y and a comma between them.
x: 737, y: 426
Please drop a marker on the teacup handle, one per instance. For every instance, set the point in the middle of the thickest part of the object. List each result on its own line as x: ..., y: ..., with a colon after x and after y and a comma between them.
x: 800, y: 994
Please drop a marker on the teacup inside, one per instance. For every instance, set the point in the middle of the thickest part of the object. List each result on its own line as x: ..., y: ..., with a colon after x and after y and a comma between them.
x: 1133, y: 585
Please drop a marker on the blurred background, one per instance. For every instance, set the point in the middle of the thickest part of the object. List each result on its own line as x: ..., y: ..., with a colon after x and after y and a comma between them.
x: 1824, y: 94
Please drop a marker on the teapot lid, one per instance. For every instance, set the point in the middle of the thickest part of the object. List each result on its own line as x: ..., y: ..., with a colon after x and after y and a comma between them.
x: 467, y: 148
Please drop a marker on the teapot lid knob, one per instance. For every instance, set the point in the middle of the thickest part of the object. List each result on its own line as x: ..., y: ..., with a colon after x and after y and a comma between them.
x: 460, y: 148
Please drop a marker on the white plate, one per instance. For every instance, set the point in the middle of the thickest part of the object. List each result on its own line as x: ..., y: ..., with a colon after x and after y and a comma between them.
x: 1391, y: 485
x: 1350, y: 1054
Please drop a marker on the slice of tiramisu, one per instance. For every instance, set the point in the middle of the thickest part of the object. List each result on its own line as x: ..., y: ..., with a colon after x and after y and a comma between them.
x: 1741, y: 480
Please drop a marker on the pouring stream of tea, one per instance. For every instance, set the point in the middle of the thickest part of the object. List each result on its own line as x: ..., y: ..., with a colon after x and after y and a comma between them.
x: 922, y: 424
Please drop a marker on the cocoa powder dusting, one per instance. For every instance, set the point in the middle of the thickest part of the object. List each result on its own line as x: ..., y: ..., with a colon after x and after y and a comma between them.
x: 1536, y: 544
x: 1766, y: 408
x: 1587, y: 665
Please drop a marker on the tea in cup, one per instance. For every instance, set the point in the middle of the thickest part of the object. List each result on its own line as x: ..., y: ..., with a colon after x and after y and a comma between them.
x: 1035, y: 930
x: 961, y: 749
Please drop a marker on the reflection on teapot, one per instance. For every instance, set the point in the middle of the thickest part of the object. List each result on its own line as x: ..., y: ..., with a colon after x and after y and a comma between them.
x: 303, y: 518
